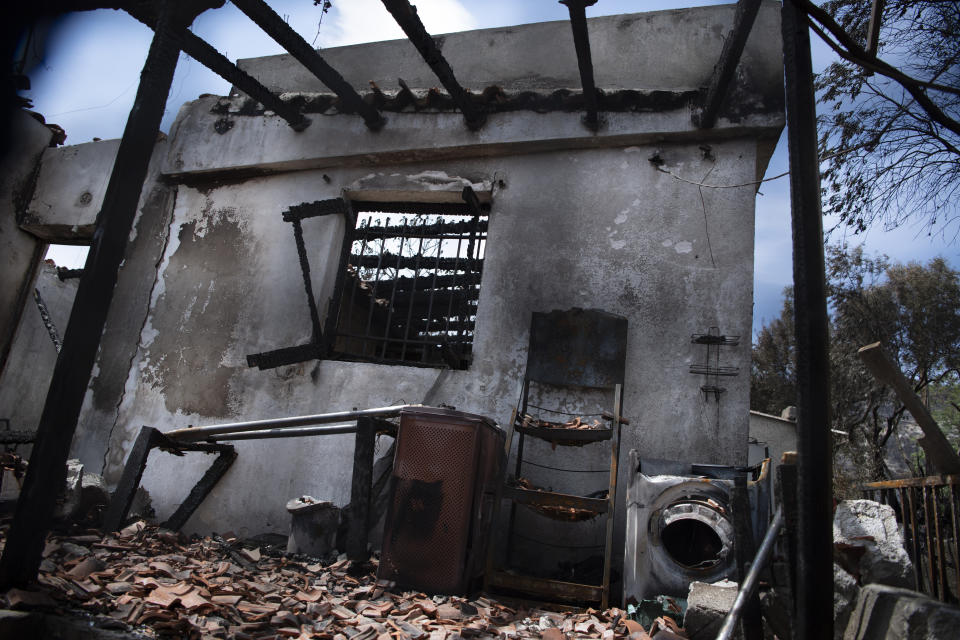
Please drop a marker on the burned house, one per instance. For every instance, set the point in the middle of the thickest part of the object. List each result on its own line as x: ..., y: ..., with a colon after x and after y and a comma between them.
x: 358, y: 261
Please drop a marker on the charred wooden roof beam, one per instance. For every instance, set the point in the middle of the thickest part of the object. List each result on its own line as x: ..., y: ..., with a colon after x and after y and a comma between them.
x: 207, y: 55
x: 406, y: 16
x: 71, y: 375
x: 705, y: 117
x: 267, y: 19
x: 581, y: 40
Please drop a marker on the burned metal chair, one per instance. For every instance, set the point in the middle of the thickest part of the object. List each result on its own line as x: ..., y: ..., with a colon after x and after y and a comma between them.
x: 575, y: 350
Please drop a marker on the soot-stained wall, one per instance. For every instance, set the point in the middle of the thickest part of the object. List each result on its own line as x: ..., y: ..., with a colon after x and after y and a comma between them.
x: 578, y: 219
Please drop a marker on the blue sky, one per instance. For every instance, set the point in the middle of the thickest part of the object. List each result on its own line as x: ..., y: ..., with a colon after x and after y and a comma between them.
x: 86, y: 78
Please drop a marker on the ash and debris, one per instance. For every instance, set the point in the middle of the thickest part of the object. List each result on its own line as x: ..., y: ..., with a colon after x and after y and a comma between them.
x: 155, y: 583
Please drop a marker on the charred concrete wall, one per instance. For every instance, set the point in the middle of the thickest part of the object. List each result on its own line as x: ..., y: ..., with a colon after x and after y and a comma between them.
x: 578, y: 219
x: 29, y: 366
x: 20, y: 252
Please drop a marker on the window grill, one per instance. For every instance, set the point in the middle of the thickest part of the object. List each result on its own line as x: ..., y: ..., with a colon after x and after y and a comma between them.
x: 411, y: 283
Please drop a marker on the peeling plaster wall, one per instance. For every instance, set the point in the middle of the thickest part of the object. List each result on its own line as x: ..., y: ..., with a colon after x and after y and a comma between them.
x: 774, y: 433
x: 578, y: 219
x: 67, y: 182
x: 594, y: 228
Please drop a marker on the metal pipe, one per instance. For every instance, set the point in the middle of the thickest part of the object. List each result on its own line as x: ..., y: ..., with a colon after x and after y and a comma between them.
x: 815, y: 490
x: 191, y: 434
x: 267, y: 19
x: 753, y: 576
x: 406, y: 16
x: 581, y: 40
x: 268, y: 434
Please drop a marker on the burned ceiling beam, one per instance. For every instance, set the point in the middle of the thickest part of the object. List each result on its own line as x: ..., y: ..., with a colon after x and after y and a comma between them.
x: 71, y: 375
x: 267, y: 19
x: 811, y: 329
x: 581, y: 40
x: 333, y: 206
x: 705, y: 117
x: 207, y: 55
x: 470, y: 197
x: 406, y: 16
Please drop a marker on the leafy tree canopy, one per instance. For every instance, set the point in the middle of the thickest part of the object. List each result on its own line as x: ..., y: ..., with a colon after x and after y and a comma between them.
x: 890, y: 118
x: 913, y: 309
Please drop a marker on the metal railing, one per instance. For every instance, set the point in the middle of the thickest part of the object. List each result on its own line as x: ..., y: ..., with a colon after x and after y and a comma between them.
x: 928, y: 510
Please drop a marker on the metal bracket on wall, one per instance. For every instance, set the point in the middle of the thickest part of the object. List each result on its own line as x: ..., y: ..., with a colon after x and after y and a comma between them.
x: 710, y: 368
x: 149, y: 439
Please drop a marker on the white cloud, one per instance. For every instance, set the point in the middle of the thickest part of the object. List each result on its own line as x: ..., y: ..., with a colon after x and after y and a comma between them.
x: 356, y: 21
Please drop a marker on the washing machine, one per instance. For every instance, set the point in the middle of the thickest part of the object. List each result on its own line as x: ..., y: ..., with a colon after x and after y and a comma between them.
x: 679, y: 527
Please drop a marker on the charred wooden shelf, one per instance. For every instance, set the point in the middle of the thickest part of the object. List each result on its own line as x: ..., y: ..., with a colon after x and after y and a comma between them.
x: 562, y: 436
x: 553, y: 499
x: 544, y: 587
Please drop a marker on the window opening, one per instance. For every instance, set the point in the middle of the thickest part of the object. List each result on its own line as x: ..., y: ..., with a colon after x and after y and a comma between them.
x: 69, y: 258
x: 411, y: 283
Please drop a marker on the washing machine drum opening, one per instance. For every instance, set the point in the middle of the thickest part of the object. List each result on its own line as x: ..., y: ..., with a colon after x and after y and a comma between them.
x: 695, y: 535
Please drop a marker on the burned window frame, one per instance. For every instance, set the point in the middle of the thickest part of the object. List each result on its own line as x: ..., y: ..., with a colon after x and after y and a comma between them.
x: 327, y: 341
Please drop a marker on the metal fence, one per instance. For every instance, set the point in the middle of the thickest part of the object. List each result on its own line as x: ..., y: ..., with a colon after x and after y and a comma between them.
x: 928, y: 509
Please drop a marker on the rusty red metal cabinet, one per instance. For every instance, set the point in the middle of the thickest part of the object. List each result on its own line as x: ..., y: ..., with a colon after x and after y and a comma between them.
x: 445, y: 475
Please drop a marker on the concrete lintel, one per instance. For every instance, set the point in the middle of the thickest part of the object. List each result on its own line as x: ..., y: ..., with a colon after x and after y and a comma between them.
x: 425, y: 186
x: 264, y: 144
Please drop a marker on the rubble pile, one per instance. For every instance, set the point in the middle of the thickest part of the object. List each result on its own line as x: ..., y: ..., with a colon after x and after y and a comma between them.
x: 157, y: 583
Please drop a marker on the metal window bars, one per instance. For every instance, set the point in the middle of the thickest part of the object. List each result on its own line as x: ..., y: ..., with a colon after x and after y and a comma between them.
x: 411, y: 285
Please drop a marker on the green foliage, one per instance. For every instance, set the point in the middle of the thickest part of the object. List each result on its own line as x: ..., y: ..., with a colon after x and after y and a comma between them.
x: 772, y: 371
x: 890, y: 123
x: 913, y: 309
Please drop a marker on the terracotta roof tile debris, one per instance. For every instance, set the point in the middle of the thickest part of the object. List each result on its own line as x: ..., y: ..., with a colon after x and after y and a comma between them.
x: 159, y: 584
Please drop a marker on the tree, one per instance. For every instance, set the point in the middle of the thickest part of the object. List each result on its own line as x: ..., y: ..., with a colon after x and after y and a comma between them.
x: 913, y: 309
x: 890, y: 121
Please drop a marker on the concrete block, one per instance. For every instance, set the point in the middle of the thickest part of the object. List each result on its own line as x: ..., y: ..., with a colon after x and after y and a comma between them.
x: 70, y: 190
x: 874, y: 527
x: 845, y: 592
x: 707, y: 606
x: 891, y: 613
x: 313, y: 526
x: 72, y: 492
